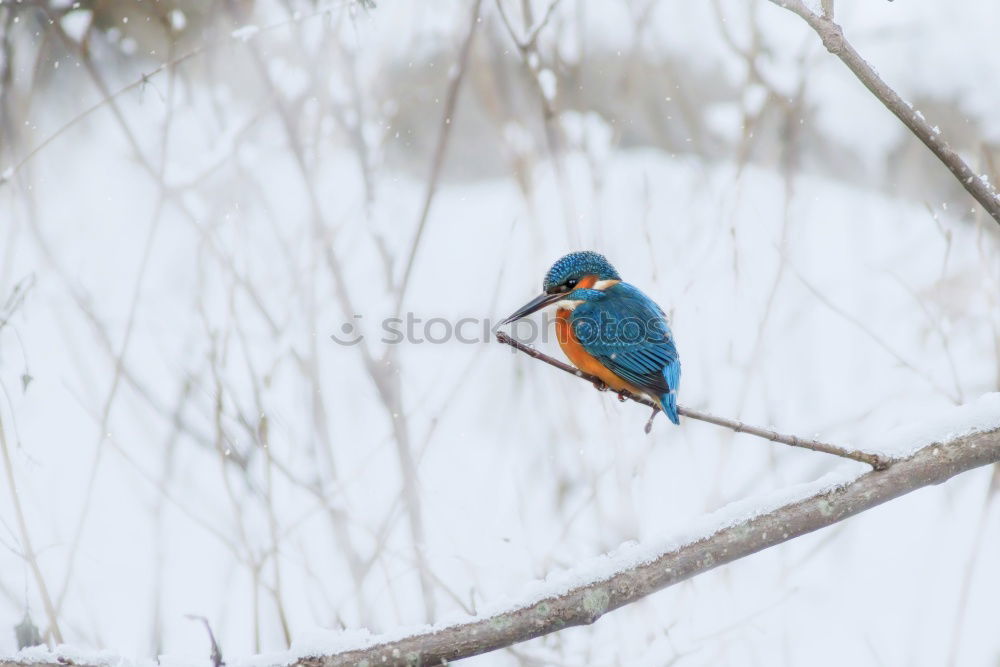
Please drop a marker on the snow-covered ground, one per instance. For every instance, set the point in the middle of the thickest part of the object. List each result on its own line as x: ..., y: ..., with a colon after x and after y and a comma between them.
x: 811, y: 303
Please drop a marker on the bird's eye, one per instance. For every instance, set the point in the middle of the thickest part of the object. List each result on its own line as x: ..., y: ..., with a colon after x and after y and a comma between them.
x: 570, y: 284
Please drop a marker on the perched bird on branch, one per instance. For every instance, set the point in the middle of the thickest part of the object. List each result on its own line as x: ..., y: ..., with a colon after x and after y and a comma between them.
x: 610, y: 329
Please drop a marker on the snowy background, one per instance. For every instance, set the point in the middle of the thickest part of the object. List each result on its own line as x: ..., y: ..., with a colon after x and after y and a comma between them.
x: 186, y: 438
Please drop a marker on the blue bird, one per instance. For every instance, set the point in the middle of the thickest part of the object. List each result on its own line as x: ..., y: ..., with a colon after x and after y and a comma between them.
x: 610, y: 329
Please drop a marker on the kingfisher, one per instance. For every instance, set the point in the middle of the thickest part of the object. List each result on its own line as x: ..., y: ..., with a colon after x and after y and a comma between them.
x: 610, y: 329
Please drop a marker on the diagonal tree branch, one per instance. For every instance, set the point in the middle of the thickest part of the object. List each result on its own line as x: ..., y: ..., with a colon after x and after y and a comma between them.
x: 585, y: 603
x: 833, y: 38
x: 876, y: 461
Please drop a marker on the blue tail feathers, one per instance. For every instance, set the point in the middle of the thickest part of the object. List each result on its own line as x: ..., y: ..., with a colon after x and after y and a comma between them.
x: 672, y: 374
x: 669, y: 403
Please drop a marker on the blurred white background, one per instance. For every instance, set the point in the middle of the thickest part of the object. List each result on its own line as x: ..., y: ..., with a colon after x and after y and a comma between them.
x: 196, y: 195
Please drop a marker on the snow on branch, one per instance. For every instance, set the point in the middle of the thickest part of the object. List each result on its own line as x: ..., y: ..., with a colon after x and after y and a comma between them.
x: 584, y: 594
x: 832, y: 35
x: 589, y: 599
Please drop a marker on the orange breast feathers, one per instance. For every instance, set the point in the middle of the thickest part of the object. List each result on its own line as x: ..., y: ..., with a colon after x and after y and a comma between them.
x: 582, y: 359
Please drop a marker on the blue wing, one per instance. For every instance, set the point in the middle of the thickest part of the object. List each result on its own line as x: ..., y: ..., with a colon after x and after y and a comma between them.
x: 627, y: 332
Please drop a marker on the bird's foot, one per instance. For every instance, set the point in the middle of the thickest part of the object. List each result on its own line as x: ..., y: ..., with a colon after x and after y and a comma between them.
x: 599, y: 385
x: 622, y: 397
x: 649, y: 422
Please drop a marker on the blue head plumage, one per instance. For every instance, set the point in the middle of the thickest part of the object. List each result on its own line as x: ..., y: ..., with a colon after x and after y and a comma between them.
x: 563, y: 277
x: 576, y: 265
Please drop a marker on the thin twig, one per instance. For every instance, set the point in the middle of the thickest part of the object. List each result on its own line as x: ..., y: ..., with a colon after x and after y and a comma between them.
x: 216, y: 655
x: 924, y: 375
x: 555, y: 139
x: 874, y: 460
x: 437, y: 161
x: 528, y: 42
x: 26, y: 545
x: 833, y: 38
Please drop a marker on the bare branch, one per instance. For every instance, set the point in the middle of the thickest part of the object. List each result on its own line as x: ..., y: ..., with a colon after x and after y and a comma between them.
x: 874, y: 460
x: 833, y: 38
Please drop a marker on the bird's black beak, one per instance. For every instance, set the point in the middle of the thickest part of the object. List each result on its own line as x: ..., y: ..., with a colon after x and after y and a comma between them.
x: 537, y: 303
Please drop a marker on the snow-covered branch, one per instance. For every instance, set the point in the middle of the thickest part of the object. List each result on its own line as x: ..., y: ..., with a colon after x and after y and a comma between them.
x: 588, y: 600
